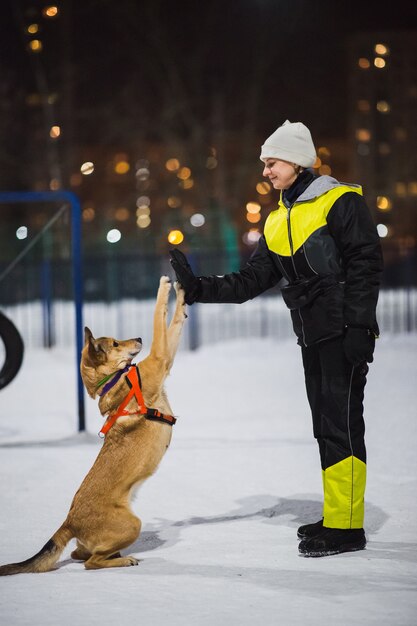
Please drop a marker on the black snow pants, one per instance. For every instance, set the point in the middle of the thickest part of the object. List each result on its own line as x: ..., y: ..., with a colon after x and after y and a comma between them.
x: 335, y: 391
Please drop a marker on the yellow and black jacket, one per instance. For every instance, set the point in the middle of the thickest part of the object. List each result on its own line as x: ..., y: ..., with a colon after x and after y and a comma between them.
x: 323, y: 242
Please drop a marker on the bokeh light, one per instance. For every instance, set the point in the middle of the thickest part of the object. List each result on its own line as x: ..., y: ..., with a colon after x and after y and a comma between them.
x: 143, y: 220
x: 55, y: 132
x: 50, y: 11
x: 251, y: 237
x: 382, y: 230
x: 253, y: 207
x: 383, y: 203
x: 172, y: 165
x: 175, y: 237
x: 35, y: 45
x: 263, y: 188
x: 197, y: 220
x: 122, y: 167
x: 114, y: 235
x: 22, y: 232
x: 87, y: 168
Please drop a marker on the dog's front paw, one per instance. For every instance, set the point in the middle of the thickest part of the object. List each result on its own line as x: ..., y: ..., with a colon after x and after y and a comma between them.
x: 164, y: 288
x: 179, y: 291
x: 180, y: 298
x: 164, y: 280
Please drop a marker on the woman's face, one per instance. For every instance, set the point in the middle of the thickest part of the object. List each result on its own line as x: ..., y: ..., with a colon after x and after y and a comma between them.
x: 280, y: 173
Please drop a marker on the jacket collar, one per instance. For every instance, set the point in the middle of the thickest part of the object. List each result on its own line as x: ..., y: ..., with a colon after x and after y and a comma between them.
x: 303, y: 180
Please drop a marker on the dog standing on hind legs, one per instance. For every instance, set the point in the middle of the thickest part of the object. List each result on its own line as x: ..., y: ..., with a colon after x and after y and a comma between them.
x: 138, y: 432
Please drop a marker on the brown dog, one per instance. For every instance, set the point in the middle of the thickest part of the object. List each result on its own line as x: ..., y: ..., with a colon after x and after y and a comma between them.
x: 100, y: 517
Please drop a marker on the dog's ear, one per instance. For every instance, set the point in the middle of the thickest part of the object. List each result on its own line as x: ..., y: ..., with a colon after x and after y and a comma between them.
x: 96, y: 352
x: 87, y: 335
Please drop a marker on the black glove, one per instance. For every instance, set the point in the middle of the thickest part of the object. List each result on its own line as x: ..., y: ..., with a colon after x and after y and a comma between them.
x: 185, y: 276
x: 359, y: 345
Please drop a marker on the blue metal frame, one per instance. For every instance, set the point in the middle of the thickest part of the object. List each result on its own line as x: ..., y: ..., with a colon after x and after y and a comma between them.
x: 72, y: 199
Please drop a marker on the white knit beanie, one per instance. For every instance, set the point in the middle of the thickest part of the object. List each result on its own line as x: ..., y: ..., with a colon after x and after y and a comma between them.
x: 290, y: 142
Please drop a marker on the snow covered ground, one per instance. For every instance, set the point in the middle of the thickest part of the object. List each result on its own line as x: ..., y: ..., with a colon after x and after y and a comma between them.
x: 218, y: 543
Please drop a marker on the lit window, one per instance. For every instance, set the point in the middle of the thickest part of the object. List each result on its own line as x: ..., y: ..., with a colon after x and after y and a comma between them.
x: 253, y: 218
x: 143, y: 201
x: 50, y: 11
x: 379, y: 62
x: 381, y: 49
x: 33, y: 99
x: 55, y: 132
x: 363, y: 134
x: 211, y: 163
x: 324, y: 152
x: 364, y: 106
x: 173, y: 202
x: 35, y: 45
x: 87, y: 168
x: 263, y: 188
x: 122, y: 167
x: 384, y: 149
x: 383, y: 106
x: 143, y: 210
x: 364, y: 64
x: 253, y: 207
x: 400, y: 134
x: 33, y: 29
x: 186, y: 184
x: 401, y: 190
x: 172, y: 165
x: 88, y: 214
x: 412, y: 188
x: 142, y: 173
x: 122, y: 214
x: 383, y: 203
x: 184, y: 173
x: 143, y: 221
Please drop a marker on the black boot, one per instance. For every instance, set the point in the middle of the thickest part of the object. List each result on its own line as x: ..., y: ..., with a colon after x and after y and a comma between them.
x: 333, y: 541
x: 310, y: 530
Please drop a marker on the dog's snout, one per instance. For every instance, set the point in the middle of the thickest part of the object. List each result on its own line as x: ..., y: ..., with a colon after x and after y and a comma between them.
x: 139, y: 339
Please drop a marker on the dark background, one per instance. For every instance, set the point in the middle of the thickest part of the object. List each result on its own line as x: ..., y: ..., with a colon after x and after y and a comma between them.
x: 138, y: 76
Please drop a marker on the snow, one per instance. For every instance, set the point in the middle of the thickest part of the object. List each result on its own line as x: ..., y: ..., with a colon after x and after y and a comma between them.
x: 218, y: 543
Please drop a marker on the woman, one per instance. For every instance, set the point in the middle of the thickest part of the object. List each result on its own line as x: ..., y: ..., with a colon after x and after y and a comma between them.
x: 323, y: 242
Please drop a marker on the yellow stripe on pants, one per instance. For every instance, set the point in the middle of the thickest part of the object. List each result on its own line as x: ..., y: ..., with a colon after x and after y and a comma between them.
x: 344, y: 490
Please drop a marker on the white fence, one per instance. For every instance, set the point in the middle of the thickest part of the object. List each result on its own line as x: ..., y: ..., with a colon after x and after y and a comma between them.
x: 207, y: 324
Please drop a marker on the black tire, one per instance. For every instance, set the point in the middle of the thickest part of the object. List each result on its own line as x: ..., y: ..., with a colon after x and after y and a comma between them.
x: 14, y: 349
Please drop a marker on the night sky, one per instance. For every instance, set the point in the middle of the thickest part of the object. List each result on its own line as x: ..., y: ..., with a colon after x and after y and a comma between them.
x: 268, y: 59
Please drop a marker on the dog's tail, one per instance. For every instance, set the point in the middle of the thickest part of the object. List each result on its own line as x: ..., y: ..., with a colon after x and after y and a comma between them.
x: 45, y: 559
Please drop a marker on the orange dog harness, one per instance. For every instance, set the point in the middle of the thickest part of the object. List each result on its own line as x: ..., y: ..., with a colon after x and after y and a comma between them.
x: 133, y: 380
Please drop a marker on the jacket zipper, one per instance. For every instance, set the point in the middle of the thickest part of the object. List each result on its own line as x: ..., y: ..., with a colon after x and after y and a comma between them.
x: 293, y: 264
x: 290, y: 240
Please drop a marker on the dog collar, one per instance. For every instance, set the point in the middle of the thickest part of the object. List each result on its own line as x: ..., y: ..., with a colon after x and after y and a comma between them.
x: 111, y: 384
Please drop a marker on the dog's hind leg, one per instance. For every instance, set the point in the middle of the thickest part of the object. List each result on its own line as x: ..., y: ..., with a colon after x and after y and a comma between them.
x: 107, y: 553
x: 80, y: 553
x: 99, y: 561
